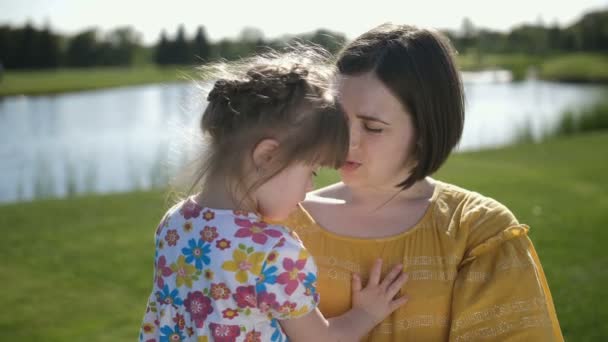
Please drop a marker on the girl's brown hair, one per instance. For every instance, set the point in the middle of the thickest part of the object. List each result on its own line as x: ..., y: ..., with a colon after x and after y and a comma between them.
x: 282, y: 96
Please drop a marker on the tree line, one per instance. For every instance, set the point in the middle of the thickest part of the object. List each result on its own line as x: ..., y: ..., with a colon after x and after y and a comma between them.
x: 588, y: 34
x: 29, y: 47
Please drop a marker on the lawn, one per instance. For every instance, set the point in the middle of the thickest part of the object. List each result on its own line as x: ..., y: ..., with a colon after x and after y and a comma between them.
x: 68, y: 80
x: 80, y: 269
x: 574, y: 67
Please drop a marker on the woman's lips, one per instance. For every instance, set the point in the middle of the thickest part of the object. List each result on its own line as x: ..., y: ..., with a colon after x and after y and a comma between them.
x: 350, y: 166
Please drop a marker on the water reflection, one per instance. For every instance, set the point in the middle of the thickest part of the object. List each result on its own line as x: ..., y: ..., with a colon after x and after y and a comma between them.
x: 138, y: 137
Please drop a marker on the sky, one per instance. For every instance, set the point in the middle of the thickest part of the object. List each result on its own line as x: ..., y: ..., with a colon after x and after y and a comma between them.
x: 227, y: 18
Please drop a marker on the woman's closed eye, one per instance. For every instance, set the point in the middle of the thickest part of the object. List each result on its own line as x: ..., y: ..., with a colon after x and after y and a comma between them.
x: 372, y: 128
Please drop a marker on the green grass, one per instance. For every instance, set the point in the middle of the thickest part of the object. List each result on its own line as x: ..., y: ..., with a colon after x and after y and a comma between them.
x: 579, y: 67
x: 67, y: 80
x: 81, y: 269
x: 576, y: 68
x: 587, y: 119
x: 518, y: 64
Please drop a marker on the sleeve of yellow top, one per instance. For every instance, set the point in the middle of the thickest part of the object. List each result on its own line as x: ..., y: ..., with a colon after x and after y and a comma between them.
x: 501, y: 292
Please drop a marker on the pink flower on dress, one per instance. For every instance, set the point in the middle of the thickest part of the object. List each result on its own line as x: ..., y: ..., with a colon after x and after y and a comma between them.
x: 199, y: 306
x: 281, y: 243
x: 257, y: 230
x: 172, y: 237
x: 209, y: 233
x: 253, y: 336
x: 245, y: 296
x: 272, y: 257
x: 219, y: 291
x: 224, y: 332
x: 188, y: 226
x: 292, y: 277
x: 162, y: 270
x: 180, y: 321
x: 190, y: 209
x: 267, y: 301
x: 208, y: 215
x: 148, y: 328
x: 230, y: 313
x: 287, y: 308
x: 222, y: 244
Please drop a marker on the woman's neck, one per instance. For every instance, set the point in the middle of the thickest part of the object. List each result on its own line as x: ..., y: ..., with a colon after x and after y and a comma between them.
x: 379, y: 196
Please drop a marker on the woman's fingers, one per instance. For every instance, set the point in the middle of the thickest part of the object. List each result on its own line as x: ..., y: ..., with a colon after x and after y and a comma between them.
x: 374, y: 276
x: 396, y: 286
x: 390, y: 278
x: 356, y: 283
x: 397, y: 303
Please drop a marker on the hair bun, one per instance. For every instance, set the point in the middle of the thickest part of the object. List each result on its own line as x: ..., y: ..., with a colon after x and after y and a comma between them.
x: 222, y: 90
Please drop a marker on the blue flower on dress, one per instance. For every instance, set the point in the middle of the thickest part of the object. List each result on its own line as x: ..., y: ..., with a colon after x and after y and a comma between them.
x: 197, y: 253
x: 277, y: 335
x: 309, y: 281
x: 267, y: 276
x: 167, y: 297
x: 170, y: 335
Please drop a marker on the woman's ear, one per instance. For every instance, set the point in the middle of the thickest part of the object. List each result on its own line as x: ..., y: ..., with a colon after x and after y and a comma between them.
x: 264, y: 153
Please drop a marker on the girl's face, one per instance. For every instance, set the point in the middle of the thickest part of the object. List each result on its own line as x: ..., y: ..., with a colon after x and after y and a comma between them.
x: 382, y: 135
x: 280, y: 195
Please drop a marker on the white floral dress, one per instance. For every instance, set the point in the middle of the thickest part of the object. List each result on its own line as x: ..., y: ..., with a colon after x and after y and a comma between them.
x: 223, y: 275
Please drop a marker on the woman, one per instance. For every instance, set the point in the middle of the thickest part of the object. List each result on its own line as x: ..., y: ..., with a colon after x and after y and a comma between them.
x: 474, y: 273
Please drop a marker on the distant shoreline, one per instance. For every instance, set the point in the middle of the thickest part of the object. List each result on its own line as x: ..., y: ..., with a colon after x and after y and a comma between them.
x: 575, y: 68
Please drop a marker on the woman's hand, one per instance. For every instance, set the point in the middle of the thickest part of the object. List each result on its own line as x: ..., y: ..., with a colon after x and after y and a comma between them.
x: 377, y: 299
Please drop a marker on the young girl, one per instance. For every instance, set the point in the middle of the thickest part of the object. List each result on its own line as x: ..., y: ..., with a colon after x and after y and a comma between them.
x: 222, y: 271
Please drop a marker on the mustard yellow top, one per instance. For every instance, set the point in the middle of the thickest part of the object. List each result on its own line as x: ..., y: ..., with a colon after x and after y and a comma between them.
x: 473, y: 273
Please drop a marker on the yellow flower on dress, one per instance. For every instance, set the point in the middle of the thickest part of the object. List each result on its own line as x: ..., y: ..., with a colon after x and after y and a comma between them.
x: 202, y: 339
x: 244, y: 263
x: 183, y: 272
x: 297, y: 313
x: 303, y: 254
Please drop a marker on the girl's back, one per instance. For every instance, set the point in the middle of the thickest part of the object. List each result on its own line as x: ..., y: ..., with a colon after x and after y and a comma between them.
x: 231, y: 273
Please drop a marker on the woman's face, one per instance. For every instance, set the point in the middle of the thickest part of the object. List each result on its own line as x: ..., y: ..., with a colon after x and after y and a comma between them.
x: 381, y: 133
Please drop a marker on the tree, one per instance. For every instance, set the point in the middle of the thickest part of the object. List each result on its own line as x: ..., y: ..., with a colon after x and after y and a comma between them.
x: 201, y: 47
x: 161, y: 53
x: 181, y: 51
x: 50, y: 52
x: 82, y: 49
x: 331, y: 41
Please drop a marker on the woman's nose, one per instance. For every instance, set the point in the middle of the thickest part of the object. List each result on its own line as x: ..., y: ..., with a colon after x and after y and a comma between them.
x: 354, y: 138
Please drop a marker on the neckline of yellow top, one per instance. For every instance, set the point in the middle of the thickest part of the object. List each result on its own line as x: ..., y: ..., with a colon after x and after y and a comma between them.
x: 421, y: 222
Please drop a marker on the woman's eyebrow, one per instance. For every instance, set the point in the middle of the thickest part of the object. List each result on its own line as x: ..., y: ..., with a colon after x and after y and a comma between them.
x: 371, y: 118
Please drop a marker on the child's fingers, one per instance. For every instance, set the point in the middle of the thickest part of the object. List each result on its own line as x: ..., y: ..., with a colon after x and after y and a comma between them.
x: 390, y: 278
x: 356, y: 283
x: 374, y: 276
x: 394, y: 288
x: 397, y: 303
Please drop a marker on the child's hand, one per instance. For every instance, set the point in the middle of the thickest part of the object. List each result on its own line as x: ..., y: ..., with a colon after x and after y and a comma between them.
x: 377, y: 299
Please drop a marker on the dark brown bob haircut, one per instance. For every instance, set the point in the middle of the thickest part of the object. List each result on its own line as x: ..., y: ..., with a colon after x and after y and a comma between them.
x: 417, y: 66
